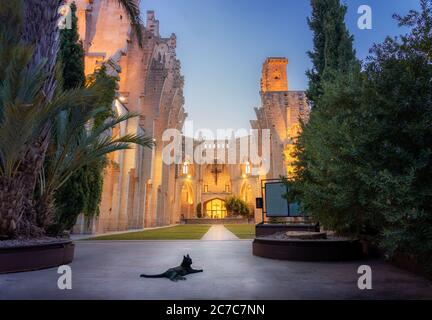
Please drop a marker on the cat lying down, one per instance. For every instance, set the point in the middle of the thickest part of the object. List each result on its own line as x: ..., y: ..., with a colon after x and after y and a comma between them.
x: 177, y: 273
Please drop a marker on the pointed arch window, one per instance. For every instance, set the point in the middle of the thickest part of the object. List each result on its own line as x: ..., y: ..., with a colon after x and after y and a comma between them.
x: 185, y: 169
x: 247, y: 168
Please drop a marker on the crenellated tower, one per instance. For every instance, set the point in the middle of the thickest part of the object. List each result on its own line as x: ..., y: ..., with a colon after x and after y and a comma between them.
x: 274, y: 75
x: 280, y: 112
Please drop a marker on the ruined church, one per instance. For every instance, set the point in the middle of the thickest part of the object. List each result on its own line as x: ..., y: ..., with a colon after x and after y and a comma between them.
x: 140, y: 190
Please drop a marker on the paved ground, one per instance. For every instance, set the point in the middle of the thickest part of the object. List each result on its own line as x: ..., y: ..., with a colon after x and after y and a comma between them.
x: 109, y: 270
x: 219, y: 233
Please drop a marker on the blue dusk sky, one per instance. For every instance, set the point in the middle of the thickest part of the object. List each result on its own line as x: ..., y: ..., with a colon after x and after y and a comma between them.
x: 222, y: 44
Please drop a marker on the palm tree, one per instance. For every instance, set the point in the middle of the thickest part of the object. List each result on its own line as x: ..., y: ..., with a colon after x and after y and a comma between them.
x: 75, y: 146
x: 24, y: 115
x: 29, y: 101
x: 39, y: 29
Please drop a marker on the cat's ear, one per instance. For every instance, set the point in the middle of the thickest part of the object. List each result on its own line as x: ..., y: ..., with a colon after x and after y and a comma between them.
x: 188, y: 256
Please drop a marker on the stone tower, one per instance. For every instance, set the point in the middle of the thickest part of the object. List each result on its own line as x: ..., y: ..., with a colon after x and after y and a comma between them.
x: 274, y: 75
x: 280, y: 112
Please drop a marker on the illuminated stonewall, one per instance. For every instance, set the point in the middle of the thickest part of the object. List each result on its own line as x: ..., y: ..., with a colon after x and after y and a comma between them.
x: 140, y: 190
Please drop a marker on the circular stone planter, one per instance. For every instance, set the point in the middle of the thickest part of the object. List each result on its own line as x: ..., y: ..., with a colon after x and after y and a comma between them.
x: 307, y: 250
x: 35, y: 257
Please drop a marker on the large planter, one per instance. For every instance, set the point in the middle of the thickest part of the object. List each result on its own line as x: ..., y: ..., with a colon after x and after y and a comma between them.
x: 307, y: 250
x: 269, y: 229
x: 35, y: 257
x: 410, y: 263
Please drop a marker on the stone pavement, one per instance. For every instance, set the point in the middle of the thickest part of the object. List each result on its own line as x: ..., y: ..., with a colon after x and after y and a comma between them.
x: 111, y: 269
x: 219, y: 233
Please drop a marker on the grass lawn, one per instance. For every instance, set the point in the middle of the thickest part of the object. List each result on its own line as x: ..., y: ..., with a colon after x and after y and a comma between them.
x: 182, y: 232
x: 243, y: 231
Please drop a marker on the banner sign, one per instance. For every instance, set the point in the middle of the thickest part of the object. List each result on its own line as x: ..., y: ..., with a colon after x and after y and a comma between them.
x: 275, y: 203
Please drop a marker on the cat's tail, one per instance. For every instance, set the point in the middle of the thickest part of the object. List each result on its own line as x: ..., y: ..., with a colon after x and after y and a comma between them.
x: 153, y: 276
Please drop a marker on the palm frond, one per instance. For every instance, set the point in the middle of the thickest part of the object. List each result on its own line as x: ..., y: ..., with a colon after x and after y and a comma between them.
x: 89, y: 152
x: 76, y: 145
x: 111, y: 123
x: 20, y: 99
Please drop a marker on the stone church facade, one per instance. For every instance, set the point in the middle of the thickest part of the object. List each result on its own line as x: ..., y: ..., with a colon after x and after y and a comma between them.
x: 140, y: 190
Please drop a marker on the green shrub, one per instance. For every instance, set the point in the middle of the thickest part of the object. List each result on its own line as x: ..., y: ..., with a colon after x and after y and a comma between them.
x: 364, y: 158
x: 237, y: 206
x: 198, y: 210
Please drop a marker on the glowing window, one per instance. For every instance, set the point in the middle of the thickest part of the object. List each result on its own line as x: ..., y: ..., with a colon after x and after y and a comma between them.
x: 216, y: 209
x: 248, y: 168
x: 186, y: 168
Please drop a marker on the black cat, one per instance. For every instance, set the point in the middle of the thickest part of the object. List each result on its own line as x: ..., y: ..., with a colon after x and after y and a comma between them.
x: 177, y: 273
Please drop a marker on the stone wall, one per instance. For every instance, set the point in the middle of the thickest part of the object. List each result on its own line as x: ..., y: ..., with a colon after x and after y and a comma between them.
x: 139, y: 189
x: 280, y: 112
x: 137, y: 185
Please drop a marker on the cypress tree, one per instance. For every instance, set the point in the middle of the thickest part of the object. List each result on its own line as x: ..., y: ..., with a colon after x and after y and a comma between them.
x: 71, y: 198
x: 325, y: 170
x: 365, y: 156
x: 333, y: 50
x: 71, y: 55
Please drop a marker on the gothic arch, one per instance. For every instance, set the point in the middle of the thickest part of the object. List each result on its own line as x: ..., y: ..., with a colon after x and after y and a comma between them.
x: 187, y: 200
x: 215, y: 208
x: 161, y: 53
x: 246, y: 193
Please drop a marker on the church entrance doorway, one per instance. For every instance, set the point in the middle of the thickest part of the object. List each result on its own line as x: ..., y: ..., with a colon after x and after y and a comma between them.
x: 215, y: 209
